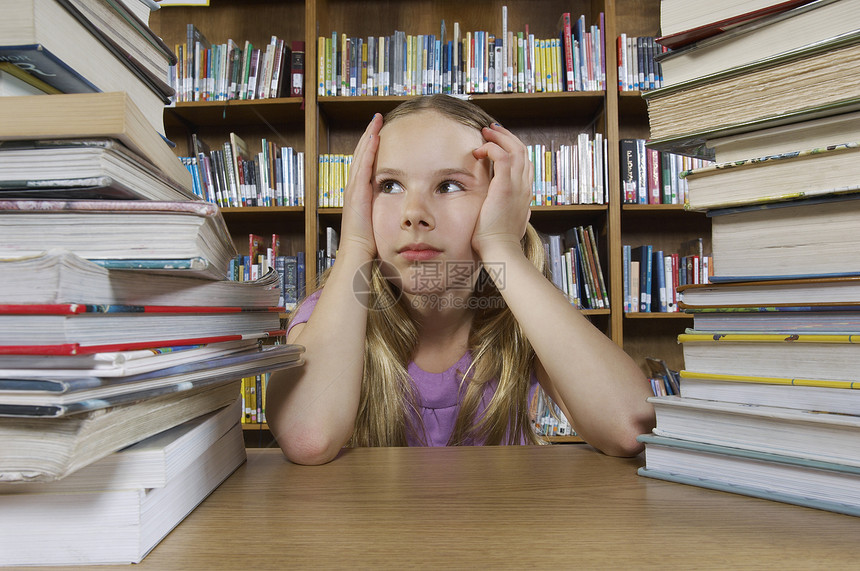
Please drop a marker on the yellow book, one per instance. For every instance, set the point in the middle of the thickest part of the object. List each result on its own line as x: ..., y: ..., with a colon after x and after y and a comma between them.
x: 321, y: 67
x: 90, y: 115
x: 691, y: 337
x: 538, y: 66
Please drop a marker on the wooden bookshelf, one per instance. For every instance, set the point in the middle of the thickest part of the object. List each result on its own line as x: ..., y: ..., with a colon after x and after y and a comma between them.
x: 318, y: 125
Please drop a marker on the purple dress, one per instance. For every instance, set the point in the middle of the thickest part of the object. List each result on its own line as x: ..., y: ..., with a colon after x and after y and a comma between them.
x: 439, y: 394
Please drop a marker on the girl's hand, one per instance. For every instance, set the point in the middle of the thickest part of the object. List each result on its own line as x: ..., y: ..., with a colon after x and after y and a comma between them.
x: 505, y: 212
x: 356, y: 226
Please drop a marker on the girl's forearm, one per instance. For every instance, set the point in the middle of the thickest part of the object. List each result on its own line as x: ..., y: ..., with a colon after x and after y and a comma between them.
x: 312, y: 409
x: 598, y: 386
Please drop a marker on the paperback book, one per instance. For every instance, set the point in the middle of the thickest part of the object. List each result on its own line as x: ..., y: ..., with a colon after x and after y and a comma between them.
x: 188, y: 236
x: 118, y: 509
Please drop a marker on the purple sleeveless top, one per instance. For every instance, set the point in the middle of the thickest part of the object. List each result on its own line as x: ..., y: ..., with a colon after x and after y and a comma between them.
x: 439, y: 394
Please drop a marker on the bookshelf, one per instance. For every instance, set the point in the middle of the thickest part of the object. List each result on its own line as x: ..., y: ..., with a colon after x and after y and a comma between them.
x: 328, y: 124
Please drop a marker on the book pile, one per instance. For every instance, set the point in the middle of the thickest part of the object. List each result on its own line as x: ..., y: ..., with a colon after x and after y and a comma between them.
x: 769, y: 402
x: 122, y: 341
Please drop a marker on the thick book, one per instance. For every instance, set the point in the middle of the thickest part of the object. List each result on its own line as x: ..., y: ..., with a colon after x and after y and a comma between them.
x: 55, y: 40
x: 131, y: 36
x: 799, y: 355
x: 798, y: 81
x: 792, y: 137
x: 783, y: 478
x: 121, y: 234
x: 118, y: 509
x: 48, y: 397
x: 685, y: 21
x: 112, y: 115
x: 841, y: 397
x: 822, y: 171
x: 60, y: 276
x: 813, y: 435
x: 766, y: 37
x: 815, y: 236
x: 82, y: 168
x: 49, y: 449
x: 778, y: 319
x: 156, y: 325
x: 808, y: 291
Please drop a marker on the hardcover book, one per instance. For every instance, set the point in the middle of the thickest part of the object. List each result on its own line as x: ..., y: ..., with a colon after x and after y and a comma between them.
x: 798, y: 82
x: 68, y: 50
x: 804, y: 355
x: 787, y: 239
x: 821, y: 436
x: 842, y: 396
x: 822, y: 171
x: 808, y: 291
x: 779, y: 477
x: 685, y: 21
x: 758, y: 39
x: 91, y: 115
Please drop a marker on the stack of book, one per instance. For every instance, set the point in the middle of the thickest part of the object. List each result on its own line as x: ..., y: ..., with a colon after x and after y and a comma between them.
x: 769, y: 404
x: 120, y: 327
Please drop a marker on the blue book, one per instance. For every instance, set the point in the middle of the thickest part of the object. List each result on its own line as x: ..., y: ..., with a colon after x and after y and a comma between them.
x: 659, y: 292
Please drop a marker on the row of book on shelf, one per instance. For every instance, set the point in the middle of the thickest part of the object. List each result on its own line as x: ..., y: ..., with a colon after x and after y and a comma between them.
x: 768, y: 403
x: 264, y: 256
x: 564, y: 174
x: 233, y: 70
x: 638, y: 65
x: 652, y: 277
x: 649, y: 176
x: 233, y: 176
x: 478, y: 61
x: 575, y: 267
x: 122, y: 341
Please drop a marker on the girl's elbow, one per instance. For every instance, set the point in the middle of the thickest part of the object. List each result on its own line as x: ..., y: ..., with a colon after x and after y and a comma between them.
x: 307, y: 447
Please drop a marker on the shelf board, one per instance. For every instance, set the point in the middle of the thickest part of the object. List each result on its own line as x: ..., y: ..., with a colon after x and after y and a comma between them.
x: 564, y: 439
x: 237, y: 112
x: 653, y: 207
x: 254, y: 426
x: 514, y: 106
x: 658, y: 315
x: 240, y: 210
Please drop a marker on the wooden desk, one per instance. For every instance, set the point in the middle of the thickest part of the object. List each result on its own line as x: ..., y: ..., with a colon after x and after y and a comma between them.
x: 522, y: 507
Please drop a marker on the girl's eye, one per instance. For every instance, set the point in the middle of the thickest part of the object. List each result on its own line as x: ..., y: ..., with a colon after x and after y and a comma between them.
x: 390, y: 187
x: 449, y: 187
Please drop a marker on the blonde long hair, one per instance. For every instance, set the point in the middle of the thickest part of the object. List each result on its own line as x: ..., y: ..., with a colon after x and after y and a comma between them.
x: 388, y: 410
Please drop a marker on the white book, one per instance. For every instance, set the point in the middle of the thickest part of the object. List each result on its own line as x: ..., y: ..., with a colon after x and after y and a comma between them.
x: 118, y: 510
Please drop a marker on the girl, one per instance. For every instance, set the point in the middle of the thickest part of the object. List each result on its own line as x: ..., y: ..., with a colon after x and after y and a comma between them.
x: 436, y: 323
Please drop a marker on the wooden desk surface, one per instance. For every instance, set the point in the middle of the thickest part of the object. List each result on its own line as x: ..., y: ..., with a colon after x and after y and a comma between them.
x: 523, y: 507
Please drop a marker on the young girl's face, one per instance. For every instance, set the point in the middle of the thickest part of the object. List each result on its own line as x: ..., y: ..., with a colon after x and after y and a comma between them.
x: 428, y: 192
